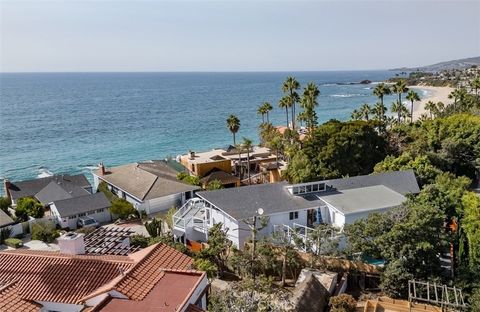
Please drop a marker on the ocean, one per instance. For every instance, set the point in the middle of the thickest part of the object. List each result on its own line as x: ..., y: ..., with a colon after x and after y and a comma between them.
x: 52, y: 123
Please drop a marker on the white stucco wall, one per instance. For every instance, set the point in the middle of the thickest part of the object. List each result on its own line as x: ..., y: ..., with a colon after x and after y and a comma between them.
x: 164, y: 203
x: 100, y: 217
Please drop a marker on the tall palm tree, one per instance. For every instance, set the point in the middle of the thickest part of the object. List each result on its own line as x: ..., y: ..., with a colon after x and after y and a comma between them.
x: 239, y: 148
x: 379, y: 110
x: 247, y: 144
x: 268, y: 108
x: 458, y: 96
x: 290, y: 87
x: 356, y: 115
x: 412, y: 96
x: 404, y: 113
x: 233, y: 124
x: 365, y: 111
x: 309, y: 103
x: 397, y: 108
x: 285, y: 103
x: 399, y: 88
x: 380, y: 91
x: 431, y: 107
x: 261, y: 111
x: 475, y: 85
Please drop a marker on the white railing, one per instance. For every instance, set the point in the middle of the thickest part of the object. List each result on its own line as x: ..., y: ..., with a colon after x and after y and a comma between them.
x: 186, y: 215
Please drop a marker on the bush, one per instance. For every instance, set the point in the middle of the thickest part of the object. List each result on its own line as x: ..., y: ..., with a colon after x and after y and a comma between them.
x: 85, y: 230
x: 122, y: 208
x: 342, y: 303
x: 154, y: 227
x: 186, y: 178
x: 4, y: 203
x: 4, y: 234
x: 44, y: 231
x: 14, y: 242
x: 103, y: 187
x: 215, y: 185
x: 139, y: 241
x: 207, y: 266
x: 29, y: 207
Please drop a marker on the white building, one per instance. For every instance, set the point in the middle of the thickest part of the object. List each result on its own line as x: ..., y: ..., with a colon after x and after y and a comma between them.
x: 299, y: 206
x: 150, y: 186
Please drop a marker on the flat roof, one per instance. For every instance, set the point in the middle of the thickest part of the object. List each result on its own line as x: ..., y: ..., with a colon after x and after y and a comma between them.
x: 363, y: 199
x: 220, y: 154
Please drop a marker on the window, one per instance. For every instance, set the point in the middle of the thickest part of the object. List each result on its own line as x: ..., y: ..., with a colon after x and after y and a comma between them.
x: 293, y: 215
x: 82, y: 215
x: 99, y: 211
x: 72, y: 217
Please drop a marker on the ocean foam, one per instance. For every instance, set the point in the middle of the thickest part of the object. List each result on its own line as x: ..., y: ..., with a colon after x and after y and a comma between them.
x: 44, y: 173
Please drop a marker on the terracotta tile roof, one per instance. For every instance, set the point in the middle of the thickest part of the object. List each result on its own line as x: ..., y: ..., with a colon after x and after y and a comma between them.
x: 10, y: 301
x: 55, y: 277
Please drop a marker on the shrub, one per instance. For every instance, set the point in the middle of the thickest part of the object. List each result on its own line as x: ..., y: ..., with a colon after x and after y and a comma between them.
x: 103, y: 187
x: 139, y: 241
x: 44, y: 231
x: 122, y: 208
x: 186, y: 178
x: 207, y: 266
x: 28, y: 207
x: 215, y: 185
x: 85, y: 230
x: 154, y: 227
x: 169, y: 217
x: 342, y: 303
x: 4, y: 203
x: 4, y: 234
x: 14, y: 242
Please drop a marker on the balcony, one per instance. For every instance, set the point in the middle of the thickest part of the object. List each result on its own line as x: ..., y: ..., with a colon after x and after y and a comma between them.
x: 195, y: 214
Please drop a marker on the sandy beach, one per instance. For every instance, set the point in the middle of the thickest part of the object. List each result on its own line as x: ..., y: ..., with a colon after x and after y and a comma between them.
x: 434, y: 94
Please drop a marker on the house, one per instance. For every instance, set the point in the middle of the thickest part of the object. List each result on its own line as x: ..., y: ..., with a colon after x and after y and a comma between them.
x: 229, y: 160
x: 292, y: 207
x: 67, y: 211
x: 150, y: 186
x: 6, y: 222
x: 47, y: 190
x: 157, y: 278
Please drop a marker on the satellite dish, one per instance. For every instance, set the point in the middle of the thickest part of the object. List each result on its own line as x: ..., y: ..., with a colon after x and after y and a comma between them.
x: 260, y: 211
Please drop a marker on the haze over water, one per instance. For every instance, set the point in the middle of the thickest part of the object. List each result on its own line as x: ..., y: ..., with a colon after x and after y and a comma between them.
x: 69, y: 122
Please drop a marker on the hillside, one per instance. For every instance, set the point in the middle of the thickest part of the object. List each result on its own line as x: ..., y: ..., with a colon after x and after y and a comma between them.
x: 448, y: 65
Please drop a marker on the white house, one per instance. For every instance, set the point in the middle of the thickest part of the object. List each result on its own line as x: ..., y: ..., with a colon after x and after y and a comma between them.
x: 150, y: 186
x: 67, y: 211
x: 337, y: 202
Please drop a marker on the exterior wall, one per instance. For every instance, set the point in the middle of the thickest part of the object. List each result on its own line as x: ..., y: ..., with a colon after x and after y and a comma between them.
x: 162, y: 203
x: 284, y: 218
x: 203, y: 168
x: 351, y: 218
x: 71, y: 222
x: 231, y: 224
x: 15, y: 228
x: 198, y: 295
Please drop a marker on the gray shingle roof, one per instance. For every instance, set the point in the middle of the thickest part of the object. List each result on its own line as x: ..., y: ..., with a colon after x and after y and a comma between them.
x: 243, y: 202
x: 73, y: 184
x: 82, y: 204
x: 51, y: 193
x: 5, y: 219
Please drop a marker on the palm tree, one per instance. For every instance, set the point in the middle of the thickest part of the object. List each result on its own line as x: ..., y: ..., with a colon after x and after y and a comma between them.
x: 455, y: 95
x: 356, y: 115
x: 397, y: 108
x: 268, y: 107
x: 404, y: 113
x: 289, y: 87
x: 380, y: 91
x: 431, y: 107
x: 399, y: 88
x: 261, y: 111
x: 233, y: 124
x: 412, y: 96
x: 285, y: 103
x: 365, y: 111
x: 239, y: 148
x: 302, y: 117
x: 475, y: 85
x: 309, y: 103
x: 247, y: 144
x: 379, y: 110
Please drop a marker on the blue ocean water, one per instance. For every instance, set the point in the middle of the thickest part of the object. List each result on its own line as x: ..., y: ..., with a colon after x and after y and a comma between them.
x: 69, y: 122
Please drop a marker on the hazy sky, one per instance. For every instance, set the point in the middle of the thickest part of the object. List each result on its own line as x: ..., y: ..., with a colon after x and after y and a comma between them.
x: 234, y: 35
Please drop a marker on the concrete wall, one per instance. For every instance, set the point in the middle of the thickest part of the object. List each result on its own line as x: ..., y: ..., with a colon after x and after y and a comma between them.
x: 71, y: 222
x: 162, y: 203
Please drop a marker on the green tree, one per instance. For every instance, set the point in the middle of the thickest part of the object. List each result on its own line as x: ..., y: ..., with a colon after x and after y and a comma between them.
x: 154, y: 227
x: 122, y: 208
x: 5, y: 202
x: 285, y: 103
x: 380, y: 91
x: 309, y: 103
x: 398, y: 107
x: 169, y: 217
x: 261, y: 111
x: 342, y: 303
x: 103, y: 187
x: 207, y: 266
x: 365, y: 111
x: 431, y: 107
x: 290, y: 87
x: 379, y: 111
x: 471, y: 225
x: 218, y: 247
x: 189, y: 179
x: 399, y: 88
x: 267, y: 108
x: 412, y: 96
x: 233, y: 124
x: 44, y: 231
x: 29, y: 207
x: 356, y: 115
x: 394, y: 280
x: 214, y: 185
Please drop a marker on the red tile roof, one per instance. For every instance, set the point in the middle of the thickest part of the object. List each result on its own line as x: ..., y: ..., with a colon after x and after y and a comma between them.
x: 56, y: 277
x: 10, y: 301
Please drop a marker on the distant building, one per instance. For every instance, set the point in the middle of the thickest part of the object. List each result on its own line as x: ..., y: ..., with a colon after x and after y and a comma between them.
x: 157, y: 278
x: 150, y: 186
x: 228, y: 164
x: 296, y: 207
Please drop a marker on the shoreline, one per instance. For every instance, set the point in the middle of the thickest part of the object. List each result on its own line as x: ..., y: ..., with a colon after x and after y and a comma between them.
x: 434, y: 94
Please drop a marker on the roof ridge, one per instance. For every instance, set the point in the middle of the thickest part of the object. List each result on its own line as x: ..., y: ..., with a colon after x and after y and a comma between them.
x: 58, y: 254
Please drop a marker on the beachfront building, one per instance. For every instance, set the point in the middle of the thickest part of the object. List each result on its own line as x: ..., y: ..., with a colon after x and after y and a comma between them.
x: 292, y: 207
x: 228, y: 162
x: 157, y: 278
x: 150, y: 186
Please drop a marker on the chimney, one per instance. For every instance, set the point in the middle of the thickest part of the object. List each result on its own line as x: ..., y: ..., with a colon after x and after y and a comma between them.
x: 192, y: 155
x: 6, y: 187
x: 101, y: 168
x: 72, y: 243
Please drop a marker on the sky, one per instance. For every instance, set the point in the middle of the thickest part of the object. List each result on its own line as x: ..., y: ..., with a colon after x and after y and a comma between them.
x: 110, y: 36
